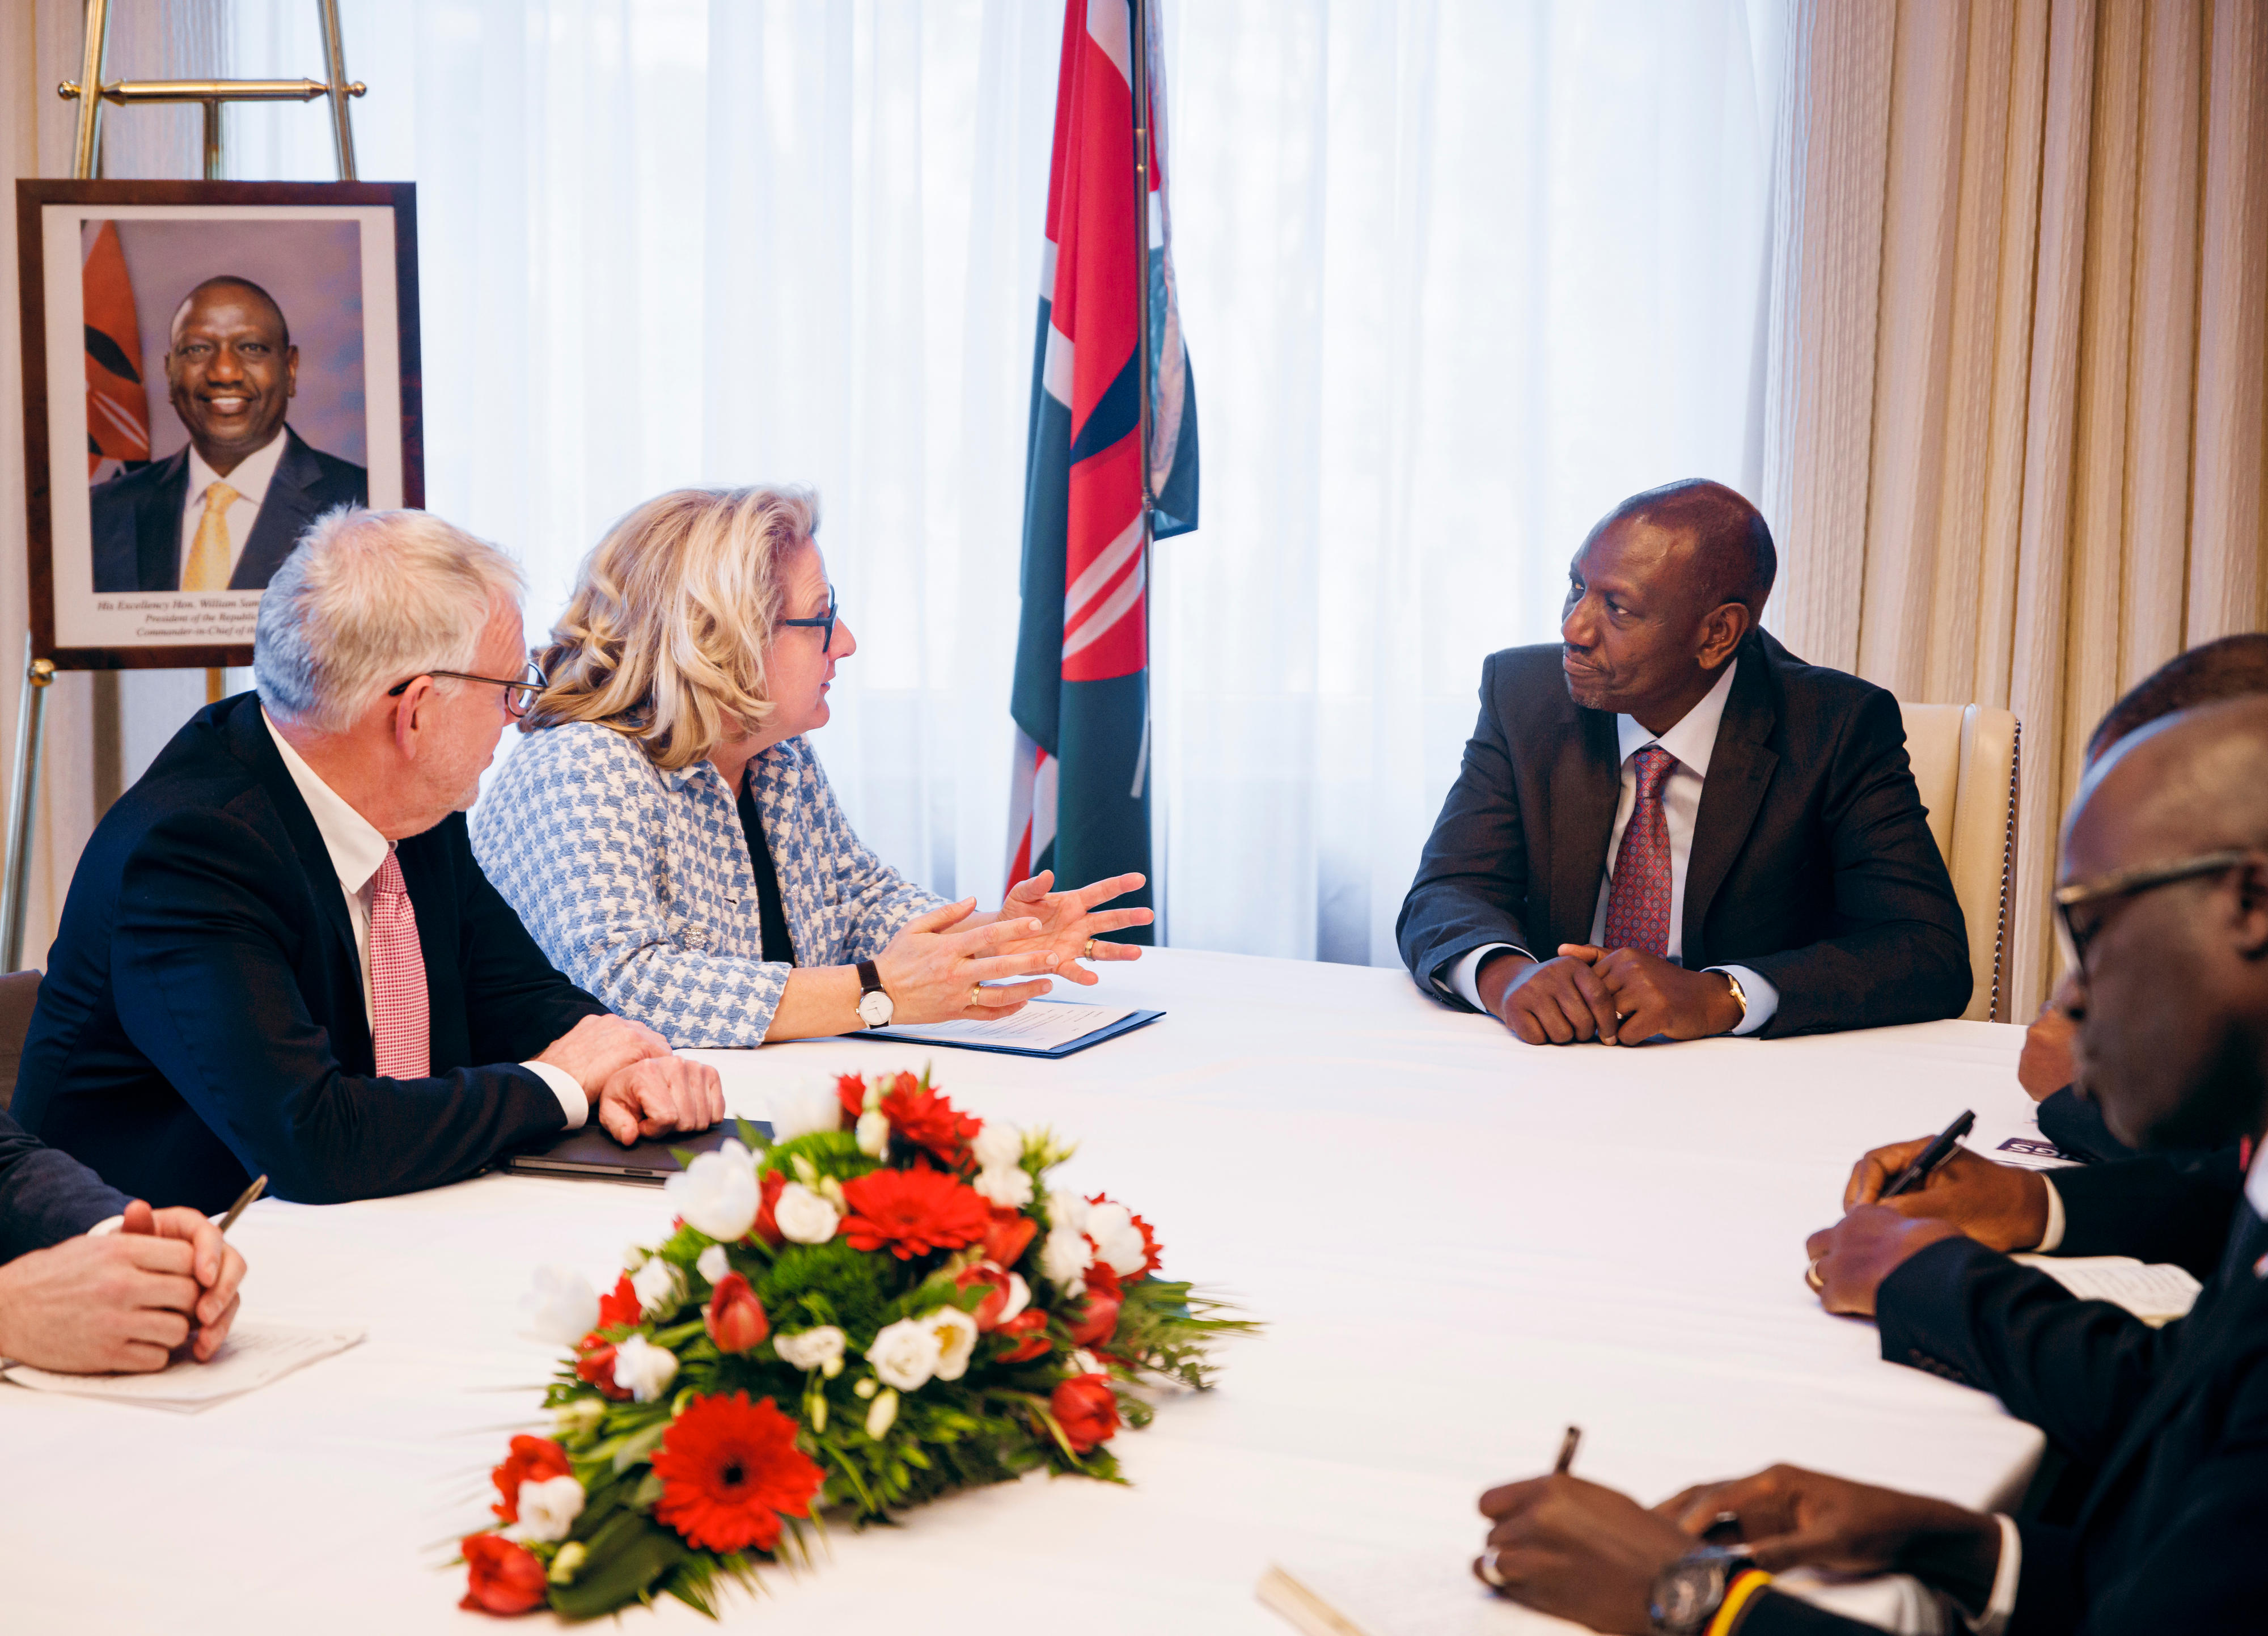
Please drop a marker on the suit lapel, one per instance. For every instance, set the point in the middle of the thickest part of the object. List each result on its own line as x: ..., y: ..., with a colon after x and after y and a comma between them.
x: 158, y: 524
x: 1585, y: 781
x: 284, y: 510
x: 249, y: 740
x: 1739, y: 772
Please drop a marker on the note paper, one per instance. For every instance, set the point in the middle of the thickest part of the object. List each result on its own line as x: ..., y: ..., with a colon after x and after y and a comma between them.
x: 2155, y: 1294
x: 254, y: 1354
x: 1040, y: 1025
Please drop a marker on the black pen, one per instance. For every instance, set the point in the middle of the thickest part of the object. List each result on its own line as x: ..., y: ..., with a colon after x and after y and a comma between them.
x: 1932, y: 1156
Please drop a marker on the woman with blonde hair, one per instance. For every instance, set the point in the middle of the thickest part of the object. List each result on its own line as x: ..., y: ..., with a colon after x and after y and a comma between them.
x: 668, y: 836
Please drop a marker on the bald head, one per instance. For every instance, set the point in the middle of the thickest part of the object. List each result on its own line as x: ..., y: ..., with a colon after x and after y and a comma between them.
x: 229, y: 287
x: 2195, y: 781
x: 1731, y: 551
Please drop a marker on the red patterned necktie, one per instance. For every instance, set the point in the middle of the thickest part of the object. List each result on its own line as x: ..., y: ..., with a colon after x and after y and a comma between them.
x: 1638, y: 907
x: 401, y: 1020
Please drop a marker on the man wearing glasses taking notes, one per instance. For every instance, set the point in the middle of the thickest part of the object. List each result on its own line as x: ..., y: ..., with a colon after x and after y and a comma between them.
x: 278, y: 954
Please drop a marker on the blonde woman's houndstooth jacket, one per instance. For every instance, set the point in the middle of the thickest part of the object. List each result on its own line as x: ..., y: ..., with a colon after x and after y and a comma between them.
x: 637, y: 883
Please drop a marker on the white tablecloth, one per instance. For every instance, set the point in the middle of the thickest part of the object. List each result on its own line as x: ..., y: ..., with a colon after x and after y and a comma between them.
x: 1459, y: 1244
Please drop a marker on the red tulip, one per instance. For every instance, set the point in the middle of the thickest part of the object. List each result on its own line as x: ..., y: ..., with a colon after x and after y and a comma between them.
x: 735, y: 1317
x: 1028, y: 1329
x: 597, y: 1366
x: 500, y: 1576
x: 1008, y: 1237
x: 533, y: 1459
x: 1086, y: 1408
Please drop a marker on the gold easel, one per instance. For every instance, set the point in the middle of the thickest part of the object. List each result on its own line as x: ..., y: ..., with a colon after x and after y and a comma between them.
x: 91, y: 91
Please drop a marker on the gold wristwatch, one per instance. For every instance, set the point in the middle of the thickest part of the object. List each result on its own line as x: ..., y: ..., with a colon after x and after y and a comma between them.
x: 1739, y: 994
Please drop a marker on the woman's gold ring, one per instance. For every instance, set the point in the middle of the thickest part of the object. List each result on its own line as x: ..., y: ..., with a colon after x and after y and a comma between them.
x: 1090, y: 948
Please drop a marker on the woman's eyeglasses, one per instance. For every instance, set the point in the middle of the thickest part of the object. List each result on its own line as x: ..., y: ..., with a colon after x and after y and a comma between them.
x: 519, y: 696
x: 824, y: 621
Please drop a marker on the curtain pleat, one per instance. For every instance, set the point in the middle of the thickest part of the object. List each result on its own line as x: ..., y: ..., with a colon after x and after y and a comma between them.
x: 2052, y: 389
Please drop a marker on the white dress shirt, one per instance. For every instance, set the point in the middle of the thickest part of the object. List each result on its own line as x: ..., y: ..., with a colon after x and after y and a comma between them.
x: 250, y: 480
x: 1692, y: 743
x: 357, y: 851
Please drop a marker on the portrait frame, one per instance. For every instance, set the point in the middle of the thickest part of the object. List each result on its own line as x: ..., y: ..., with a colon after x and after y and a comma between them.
x: 344, y: 255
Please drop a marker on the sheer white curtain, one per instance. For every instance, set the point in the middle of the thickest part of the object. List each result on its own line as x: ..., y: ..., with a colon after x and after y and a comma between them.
x: 1456, y: 276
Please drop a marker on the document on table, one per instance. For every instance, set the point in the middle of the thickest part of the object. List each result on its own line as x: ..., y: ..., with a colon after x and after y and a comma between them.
x: 1045, y: 1028
x: 2155, y: 1294
x: 254, y: 1354
x: 1436, y: 1594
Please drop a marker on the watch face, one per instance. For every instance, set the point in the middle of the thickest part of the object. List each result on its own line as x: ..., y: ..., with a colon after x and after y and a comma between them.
x: 1687, y: 1594
x: 874, y: 1008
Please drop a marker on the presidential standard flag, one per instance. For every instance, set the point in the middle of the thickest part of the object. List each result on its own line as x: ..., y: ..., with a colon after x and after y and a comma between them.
x: 1081, y: 800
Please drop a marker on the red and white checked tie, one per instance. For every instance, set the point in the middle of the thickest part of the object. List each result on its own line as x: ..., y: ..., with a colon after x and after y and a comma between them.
x: 400, y: 1018
x: 1638, y: 907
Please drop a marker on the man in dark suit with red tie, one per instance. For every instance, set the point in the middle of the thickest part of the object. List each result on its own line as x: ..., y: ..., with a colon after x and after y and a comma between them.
x: 2164, y: 906
x: 278, y: 954
x: 1667, y: 825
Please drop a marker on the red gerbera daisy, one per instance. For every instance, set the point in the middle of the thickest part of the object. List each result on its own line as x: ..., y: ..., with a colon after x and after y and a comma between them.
x: 913, y: 1212
x: 729, y: 1470
x: 922, y: 1118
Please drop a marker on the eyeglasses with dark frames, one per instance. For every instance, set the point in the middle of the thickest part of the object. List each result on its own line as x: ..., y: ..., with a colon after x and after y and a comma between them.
x: 2078, y: 933
x: 519, y: 696
x: 823, y: 622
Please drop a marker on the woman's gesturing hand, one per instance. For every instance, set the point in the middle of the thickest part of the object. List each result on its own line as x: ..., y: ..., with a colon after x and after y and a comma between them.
x: 1069, y: 924
x: 932, y: 973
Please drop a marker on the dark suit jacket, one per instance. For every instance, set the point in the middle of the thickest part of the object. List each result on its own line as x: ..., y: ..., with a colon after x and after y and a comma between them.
x: 137, y: 518
x: 1811, y: 859
x: 46, y: 1197
x: 2172, y: 1424
x: 203, y: 1018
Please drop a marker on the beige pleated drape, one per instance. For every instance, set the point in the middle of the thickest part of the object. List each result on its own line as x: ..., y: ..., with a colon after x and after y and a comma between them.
x: 2017, y: 431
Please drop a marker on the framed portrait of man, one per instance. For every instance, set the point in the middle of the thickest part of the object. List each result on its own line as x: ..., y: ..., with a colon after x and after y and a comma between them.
x: 208, y: 368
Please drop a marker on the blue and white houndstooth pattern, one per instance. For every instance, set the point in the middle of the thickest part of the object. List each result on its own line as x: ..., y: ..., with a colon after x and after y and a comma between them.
x: 636, y: 884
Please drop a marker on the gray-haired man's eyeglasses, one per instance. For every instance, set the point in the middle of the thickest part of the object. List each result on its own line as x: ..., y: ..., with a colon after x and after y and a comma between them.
x: 519, y: 696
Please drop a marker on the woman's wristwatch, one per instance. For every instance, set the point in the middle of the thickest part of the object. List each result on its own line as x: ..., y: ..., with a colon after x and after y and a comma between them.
x: 873, y: 1002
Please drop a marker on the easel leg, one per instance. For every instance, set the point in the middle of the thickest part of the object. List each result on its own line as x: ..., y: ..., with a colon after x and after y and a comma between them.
x: 23, y: 789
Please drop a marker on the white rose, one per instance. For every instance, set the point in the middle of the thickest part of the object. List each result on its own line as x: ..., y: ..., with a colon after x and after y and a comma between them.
x: 819, y: 1349
x: 1116, y: 1238
x: 1063, y: 1258
x: 1085, y: 1362
x: 1019, y: 1296
x: 717, y: 1193
x: 643, y: 1369
x: 1067, y: 1209
x: 1010, y: 1186
x: 873, y: 1133
x: 1000, y: 1145
x: 883, y: 1415
x: 563, y: 1305
x: 803, y: 1217
x: 905, y: 1355
x: 956, y: 1338
x: 548, y: 1509
x: 660, y: 1287
x: 713, y: 1264
x: 799, y: 1113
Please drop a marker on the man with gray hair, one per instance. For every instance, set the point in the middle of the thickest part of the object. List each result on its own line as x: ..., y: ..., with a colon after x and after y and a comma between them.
x: 278, y: 954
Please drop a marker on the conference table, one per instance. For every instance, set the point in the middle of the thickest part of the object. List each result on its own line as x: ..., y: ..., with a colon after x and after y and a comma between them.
x: 1459, y: 1245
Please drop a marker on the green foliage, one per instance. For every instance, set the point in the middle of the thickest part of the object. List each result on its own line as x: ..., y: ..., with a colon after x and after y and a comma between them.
x: 830, y: 1283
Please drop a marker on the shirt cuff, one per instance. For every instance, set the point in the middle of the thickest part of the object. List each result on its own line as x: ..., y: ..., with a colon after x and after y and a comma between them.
x: 1464, y: 977
x: 1764, y: 999
x: 2053, y: 1236
x: 2000, y: 1606
x: 105, y: 1228
x: 572, y: 1102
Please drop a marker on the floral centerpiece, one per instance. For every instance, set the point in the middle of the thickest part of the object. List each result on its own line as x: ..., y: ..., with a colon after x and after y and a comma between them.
x: 883, y: 1303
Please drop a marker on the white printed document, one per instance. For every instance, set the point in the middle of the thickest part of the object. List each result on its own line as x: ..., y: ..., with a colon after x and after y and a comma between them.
x: 254, y: 1354
x: 1042, y: 1028
x: 2155, y: 1294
